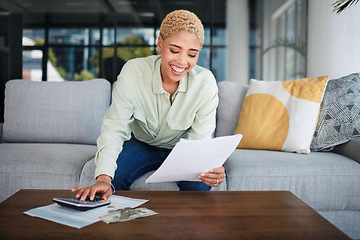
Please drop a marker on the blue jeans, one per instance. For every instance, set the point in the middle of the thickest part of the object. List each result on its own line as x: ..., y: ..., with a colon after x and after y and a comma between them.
x: 137, y: 158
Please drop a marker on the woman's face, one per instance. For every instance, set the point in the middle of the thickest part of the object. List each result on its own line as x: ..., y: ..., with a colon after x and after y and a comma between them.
x: 179, y: 54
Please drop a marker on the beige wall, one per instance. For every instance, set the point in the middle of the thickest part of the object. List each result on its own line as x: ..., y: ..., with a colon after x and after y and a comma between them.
x: 333, y: 40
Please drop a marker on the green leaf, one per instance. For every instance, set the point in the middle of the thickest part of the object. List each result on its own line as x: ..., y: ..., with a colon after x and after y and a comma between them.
x: 340, y: 5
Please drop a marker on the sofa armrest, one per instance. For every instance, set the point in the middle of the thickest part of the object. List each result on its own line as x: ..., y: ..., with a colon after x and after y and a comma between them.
x: 350, y: 149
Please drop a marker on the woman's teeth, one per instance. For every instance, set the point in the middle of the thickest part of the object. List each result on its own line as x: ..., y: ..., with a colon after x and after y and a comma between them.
x: 177, y: 69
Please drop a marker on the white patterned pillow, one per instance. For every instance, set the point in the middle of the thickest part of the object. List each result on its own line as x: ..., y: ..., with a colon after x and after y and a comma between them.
x: 339, y: 118
x: 281, y: 116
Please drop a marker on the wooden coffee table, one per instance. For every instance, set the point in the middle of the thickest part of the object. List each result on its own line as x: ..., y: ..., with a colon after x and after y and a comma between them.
x: 182, y: 215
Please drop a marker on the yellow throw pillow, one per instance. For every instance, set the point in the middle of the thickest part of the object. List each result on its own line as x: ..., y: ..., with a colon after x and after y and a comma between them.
x: 279, y: 115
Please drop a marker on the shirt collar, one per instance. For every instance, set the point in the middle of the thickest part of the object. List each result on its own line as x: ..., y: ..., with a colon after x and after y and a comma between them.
x: 157, y: 85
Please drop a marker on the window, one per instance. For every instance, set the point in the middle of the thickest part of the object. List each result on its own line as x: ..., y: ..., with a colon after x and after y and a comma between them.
x: 80, y: 44
x: 95, y: 44
x: 82, y: 54
x: 32, y: 65
x: 215, y: 59
x: 33, y: 39
x: 284, y: 54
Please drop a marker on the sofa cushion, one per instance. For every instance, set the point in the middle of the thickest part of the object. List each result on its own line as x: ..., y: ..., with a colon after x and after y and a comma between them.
x: 42, y: 166
x: 350, y: 149
x: 87, y: 177
x: 339, y: 118
x: 231, y: 97
x: 324, y: 180
x: 140, y: 185
x: 281, y: 115
x: 55, y: 112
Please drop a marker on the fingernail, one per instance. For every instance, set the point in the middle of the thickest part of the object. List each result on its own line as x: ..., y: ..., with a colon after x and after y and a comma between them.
x: 211, y: 170
x: 202, y: 174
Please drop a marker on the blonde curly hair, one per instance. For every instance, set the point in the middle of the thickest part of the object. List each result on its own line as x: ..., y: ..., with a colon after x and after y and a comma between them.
x: 182, y: 20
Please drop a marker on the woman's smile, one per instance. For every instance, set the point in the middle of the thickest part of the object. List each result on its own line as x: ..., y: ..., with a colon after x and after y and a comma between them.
x: 177, y: 70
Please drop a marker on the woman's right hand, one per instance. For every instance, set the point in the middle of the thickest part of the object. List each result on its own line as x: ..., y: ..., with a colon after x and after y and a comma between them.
x: 102, y: 187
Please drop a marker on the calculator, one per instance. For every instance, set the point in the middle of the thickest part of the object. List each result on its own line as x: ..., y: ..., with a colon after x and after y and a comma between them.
x: 87, y: 204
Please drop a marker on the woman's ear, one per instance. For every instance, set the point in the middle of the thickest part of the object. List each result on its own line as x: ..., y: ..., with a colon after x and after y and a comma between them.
x: 160, y: 43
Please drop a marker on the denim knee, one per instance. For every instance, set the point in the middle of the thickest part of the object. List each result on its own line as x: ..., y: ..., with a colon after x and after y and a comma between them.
x: 192, y: 186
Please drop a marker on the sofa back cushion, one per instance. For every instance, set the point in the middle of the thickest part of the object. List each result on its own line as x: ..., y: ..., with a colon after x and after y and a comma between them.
x: 231, y: 97
x: 55, y: 112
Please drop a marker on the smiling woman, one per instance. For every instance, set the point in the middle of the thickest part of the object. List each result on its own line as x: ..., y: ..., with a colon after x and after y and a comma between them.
x: 162, y: 99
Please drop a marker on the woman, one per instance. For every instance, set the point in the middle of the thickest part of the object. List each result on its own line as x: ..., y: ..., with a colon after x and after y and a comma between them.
x: 161, y: 99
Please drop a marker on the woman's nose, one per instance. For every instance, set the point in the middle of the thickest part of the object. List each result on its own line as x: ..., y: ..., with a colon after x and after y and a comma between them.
x: 181, y: 58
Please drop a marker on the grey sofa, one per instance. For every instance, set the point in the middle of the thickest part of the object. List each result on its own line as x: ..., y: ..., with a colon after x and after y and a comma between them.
x: 50, y: 129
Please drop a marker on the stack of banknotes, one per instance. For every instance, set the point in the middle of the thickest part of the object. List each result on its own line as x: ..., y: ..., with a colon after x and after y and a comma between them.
x: 126, y: 214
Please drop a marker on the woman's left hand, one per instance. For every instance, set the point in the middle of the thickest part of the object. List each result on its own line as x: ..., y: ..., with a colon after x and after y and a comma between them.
x: 214, y: 177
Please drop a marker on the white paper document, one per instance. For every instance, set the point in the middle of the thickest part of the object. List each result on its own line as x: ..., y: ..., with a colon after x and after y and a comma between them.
x: 78, y: 219
x: 191, y: 157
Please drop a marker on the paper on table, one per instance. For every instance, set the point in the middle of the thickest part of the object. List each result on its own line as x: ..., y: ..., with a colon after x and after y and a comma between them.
x: 190, y: 157
x: 78, y: 219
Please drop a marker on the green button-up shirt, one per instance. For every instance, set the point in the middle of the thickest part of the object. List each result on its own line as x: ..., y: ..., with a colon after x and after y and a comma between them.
x: 141, y: 105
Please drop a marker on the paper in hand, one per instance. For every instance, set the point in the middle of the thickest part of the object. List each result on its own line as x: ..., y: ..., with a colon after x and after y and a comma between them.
x: 190, y: 157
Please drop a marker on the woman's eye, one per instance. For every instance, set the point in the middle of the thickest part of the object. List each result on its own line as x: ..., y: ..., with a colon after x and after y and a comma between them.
x: 191, y: 55
x: 173, y: 51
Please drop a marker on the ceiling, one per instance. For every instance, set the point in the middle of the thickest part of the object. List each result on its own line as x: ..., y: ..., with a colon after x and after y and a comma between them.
x: 128, y: 12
